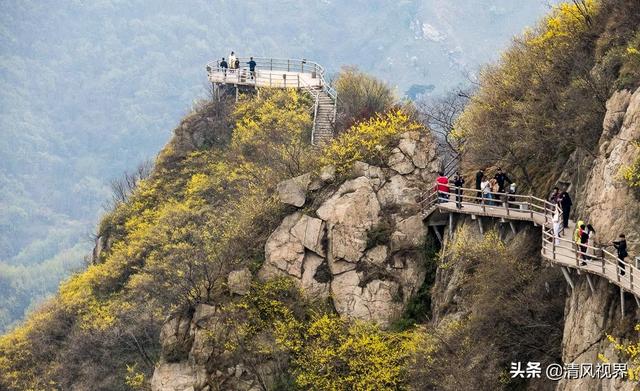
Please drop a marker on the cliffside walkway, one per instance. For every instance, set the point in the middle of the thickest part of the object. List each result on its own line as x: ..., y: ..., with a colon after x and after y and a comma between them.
x: 560, y: 250
x: 284, y: 73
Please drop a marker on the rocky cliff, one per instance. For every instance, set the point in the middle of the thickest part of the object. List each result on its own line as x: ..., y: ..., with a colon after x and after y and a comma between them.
x: 606, y: 202
x: 354, y: 240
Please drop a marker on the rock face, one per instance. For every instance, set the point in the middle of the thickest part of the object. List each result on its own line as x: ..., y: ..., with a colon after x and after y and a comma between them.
x: 612, y: 207
x: 336, y: 254
x: 294, y: 191
x: 360, y: 247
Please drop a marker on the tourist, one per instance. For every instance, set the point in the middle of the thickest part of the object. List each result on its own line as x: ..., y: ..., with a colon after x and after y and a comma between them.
x: 232, y: 61
x: 458, y: 182
x: 555, y: 196
x: 495, y: 188
x: 621, y: 246
x: 584, y: 238
x: 223, y: 65
x: 512, y: 198
x: 556, y: 227
x: 591, y: 242
x: 485, y: 187
x: 577, y: 233
x: 565, y: 203
x: 502, y: 179
x: 479, y: 178
x: 252, y: 67
x: 442, y: 186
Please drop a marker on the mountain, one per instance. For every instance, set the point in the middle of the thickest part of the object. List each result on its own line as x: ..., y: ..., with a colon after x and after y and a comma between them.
x: 90, y: 89
x: 249, y: 260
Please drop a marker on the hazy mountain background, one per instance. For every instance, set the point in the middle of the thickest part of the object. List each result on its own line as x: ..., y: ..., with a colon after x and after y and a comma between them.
x: 89, y: 89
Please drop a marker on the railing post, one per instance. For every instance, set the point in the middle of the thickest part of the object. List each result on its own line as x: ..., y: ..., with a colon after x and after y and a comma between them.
x: 531, y: 206
x: 482, y: 202
x: 288, y: 65
x: 631, y: 277
x: 604, y: 271
x: 553, y: 245
x: 270, y: 77
x: 617, y: 271
x: 271, y: 64
x: 298, y: 80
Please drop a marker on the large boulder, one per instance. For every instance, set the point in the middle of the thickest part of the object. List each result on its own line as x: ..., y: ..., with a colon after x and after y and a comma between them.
x: 399, y: 162
x: 176, y: 339
x: 351, y: 212
x: 173, y: 377
x: 294, y: 191
x: 378, y: 301
x: 239, y: 281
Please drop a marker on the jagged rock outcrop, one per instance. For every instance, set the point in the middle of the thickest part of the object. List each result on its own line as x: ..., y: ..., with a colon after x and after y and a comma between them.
x: 336, y: 253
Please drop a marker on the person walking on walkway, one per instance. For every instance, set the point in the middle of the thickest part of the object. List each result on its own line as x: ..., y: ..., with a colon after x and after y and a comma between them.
x: 479, y: 178
x: 442, y: 186
x: 584, y: 238
x: 502, y: 180
x: 621, y: 246
x: 458, y: 182
x: 565, y: 204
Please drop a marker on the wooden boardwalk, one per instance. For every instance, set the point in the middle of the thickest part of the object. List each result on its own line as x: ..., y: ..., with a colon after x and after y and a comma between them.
x: 559, y: 249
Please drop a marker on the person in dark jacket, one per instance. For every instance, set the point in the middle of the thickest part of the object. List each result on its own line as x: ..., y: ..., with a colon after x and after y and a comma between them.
x: 252, y: 67
x: 502, y: 179
x: 565, y: 203
x: 479, y: 177
x: 584, y: 238
x: 224, y: 66
x: 458, y: 182
x: 621, y: 246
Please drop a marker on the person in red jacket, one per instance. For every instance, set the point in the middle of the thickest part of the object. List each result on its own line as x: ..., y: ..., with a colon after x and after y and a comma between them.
x: 442, y: 186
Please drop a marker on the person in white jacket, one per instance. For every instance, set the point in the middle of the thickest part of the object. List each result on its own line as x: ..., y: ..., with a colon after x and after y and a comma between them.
x: 557, y: 226
x: 232, y: 61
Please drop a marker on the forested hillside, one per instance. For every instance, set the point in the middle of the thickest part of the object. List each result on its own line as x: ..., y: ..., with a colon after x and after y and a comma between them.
x: 91, y: 89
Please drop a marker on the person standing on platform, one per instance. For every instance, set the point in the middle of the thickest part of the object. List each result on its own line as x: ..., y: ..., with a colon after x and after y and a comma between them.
x: 442, y: 186
x: 479, y: 178
x: 458, y: 182
x: 232, y: 60
x: 565, y: 204
x: 223, y: 65
x: 621, y: 246
x: 502, y: 180
x: 252, y: 68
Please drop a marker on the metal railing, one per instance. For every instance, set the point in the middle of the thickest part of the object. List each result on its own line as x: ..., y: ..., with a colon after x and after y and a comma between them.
x: 278, y: 73
x: 592, y: 259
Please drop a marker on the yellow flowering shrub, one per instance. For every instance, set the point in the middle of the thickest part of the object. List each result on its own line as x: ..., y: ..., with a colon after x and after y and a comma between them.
x: 631, y: 173
x: 631, y: 352
x: 369, y: 140
x: 339, y: 354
